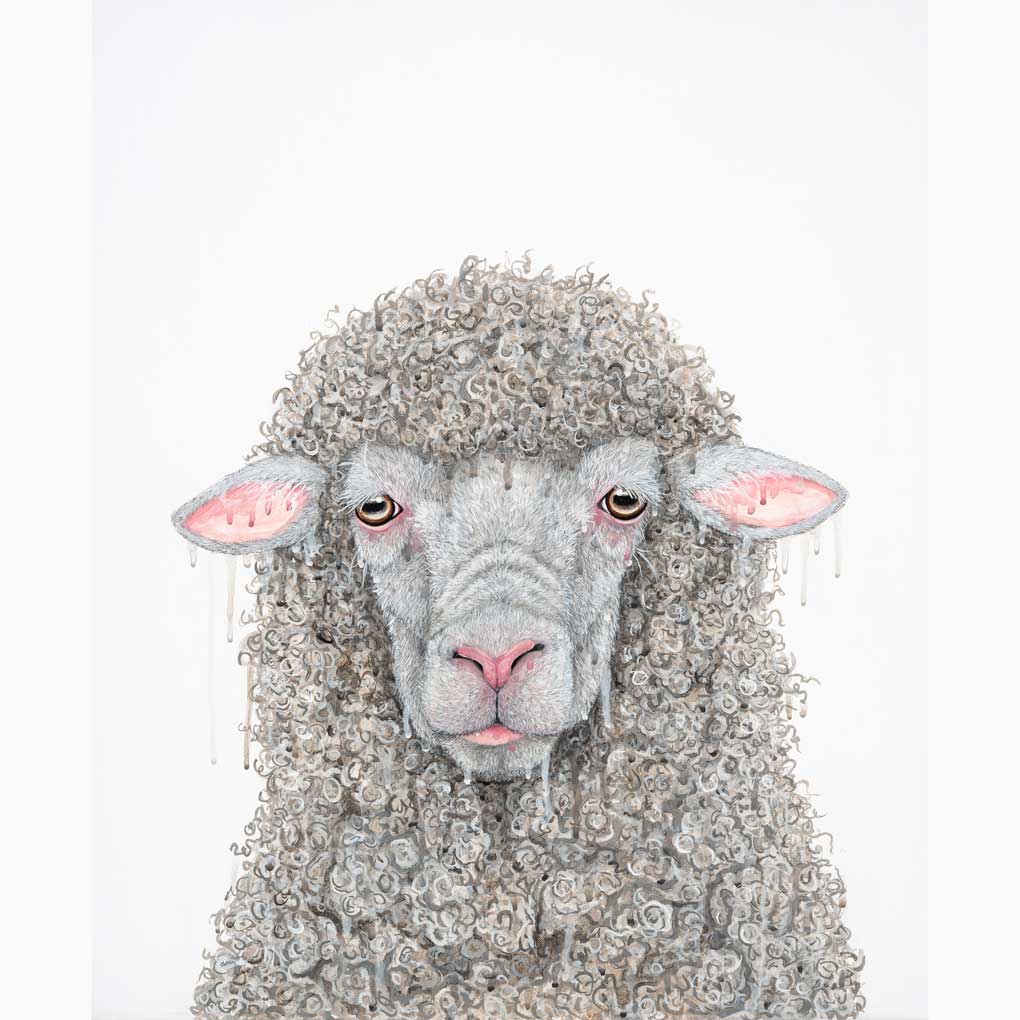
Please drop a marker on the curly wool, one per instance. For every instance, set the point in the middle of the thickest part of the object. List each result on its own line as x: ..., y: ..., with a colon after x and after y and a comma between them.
x: 680, y: 874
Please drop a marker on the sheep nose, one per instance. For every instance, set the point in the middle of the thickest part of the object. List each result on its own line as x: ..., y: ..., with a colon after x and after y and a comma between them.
x: 496, y: 669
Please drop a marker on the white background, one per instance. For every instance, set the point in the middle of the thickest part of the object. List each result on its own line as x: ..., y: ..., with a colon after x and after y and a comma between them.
x: 759, y: 166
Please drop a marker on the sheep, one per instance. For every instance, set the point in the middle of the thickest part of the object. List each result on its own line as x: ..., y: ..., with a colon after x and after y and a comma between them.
x: 520, y: 694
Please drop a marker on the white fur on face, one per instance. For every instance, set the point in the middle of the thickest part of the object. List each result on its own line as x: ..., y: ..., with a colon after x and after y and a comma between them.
x: 496, y: 557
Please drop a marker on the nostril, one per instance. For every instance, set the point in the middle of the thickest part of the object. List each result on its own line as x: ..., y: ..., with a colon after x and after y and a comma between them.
x: 537, y: 646
x: 458, y: 654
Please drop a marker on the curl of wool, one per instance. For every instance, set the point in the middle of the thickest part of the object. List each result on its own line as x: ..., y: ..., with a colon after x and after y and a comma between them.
x: 681, y: 873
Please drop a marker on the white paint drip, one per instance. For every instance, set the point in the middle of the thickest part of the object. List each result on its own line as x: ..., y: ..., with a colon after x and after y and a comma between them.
x: 762, y: 949
x: 345, y: 922
x: 467, y: 777
x: 281, y: 564
x: 246, y: 559
x: 192, y: 554
x: 234, y: 869
x: 568, y: 945
x: 607, y: 693
x: 784, y: 554
x: 407, y: 721
x: 805, y: 543
x: 386, y: 757
x: 231, y: 594
x: 545, y: 786
x: 837, y: 542
x: 817, y: 537
x: 249, y: 701
x: 211, y: 661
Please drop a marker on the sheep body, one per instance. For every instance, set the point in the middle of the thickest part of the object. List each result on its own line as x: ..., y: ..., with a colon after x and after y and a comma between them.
x: 679, y: 874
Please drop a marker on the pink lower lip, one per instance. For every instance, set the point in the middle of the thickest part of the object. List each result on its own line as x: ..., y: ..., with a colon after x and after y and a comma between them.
x: 493, y: 736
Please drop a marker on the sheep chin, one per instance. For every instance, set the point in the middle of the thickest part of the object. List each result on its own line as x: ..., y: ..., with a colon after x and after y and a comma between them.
x: 502, y: 763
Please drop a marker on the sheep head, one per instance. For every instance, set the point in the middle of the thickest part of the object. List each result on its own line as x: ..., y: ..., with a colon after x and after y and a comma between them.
x: 433, y: 501
x: 500, y: 579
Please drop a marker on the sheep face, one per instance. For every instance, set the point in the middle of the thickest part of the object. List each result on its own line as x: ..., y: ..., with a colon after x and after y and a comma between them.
x: 499, y: 578
x: 500, y: 585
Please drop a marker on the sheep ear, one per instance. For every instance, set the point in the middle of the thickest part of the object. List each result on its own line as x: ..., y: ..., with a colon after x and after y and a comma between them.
x: 755, y: 494
x: 266, y: 505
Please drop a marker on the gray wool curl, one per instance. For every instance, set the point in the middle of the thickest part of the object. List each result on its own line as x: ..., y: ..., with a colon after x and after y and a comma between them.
x: 680, y: 874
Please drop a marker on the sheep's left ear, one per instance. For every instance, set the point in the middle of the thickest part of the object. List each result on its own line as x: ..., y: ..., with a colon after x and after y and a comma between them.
x: 755, y: 494
x: 267, y: 505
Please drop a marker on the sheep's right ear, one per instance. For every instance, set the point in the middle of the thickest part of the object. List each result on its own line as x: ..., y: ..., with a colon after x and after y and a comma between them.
x: 267, y: 505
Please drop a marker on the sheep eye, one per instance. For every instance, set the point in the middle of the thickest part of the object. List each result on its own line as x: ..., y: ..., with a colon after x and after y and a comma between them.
x: 377, y: 511
x: 623, y: 504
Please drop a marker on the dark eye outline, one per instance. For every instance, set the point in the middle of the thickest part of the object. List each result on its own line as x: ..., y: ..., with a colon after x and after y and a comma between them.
x: 626, y: 517
x: 394, y: 511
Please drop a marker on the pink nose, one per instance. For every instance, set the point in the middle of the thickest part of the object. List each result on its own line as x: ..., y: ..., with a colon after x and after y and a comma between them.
x: 496, y: 669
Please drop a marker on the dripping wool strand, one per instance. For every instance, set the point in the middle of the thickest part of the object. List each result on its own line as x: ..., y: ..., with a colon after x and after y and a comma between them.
x: 672, y: 860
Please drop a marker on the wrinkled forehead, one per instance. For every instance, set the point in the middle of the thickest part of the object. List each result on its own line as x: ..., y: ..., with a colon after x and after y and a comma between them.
x: 499, y: 482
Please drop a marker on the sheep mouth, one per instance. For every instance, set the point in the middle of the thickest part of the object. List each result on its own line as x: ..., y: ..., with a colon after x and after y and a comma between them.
x: 495, y: 735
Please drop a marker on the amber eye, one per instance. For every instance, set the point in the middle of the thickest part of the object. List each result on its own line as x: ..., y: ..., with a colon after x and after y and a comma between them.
x: 623, y: 504
x: 377, y: 511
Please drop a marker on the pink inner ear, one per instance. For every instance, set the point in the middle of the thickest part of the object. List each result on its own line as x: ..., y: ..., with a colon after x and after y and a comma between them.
x: 768, y: 501
x: 250, y: 512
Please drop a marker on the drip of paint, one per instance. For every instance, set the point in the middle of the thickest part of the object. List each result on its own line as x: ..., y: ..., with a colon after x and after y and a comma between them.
x: 508, y: 475
x: 568, y: 945
x: 192, y: 554
x: 744, y: 558
x: 211, y: 663
x: 784, y: 554
x: 467, y: 777
x: 387, y: 766
x: 606, y: 681
x: 345, y: 923
x: 837, y: 542
x: 231, y: 589
x: 235, y: 867
x: 407, y: 721
x: 805, y: 543
x: 545, y: 786
x: 249, y: 702
x: 702, y: 531
x: 246, y: 560
x: 817, y: 537
x: 308, y: 551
